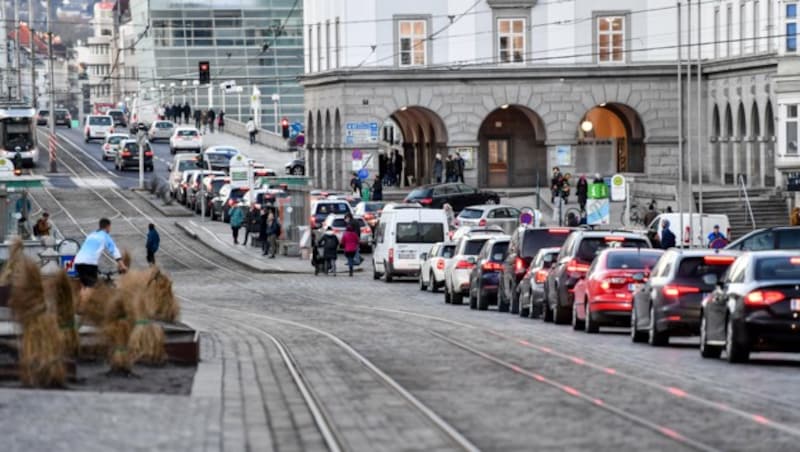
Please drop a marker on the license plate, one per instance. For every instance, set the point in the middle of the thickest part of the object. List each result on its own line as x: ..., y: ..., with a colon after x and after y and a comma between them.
x: 634, y: 287
x: 408, y: 255
x: 796, y: 304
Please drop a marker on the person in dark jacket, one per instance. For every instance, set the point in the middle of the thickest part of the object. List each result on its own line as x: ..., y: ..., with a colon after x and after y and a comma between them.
x: 251, y: 221
x: 377, y: 189
x: 459, y: 168
x: 273, y: 232
x: 262, y: 231
x: 221, y: 122
x: 153, y: 241
x: 398, y: 168
x: 211, y: 116
x: 438, y: 168
x: 450, y: 169
x: 355, y: 185
x: 651, y: 214
x: 197, y: 117
x: 582, y: 191
x: 382, y: 165
x: 667, y: 237
x: 330, y: 244
x: 187, y: 113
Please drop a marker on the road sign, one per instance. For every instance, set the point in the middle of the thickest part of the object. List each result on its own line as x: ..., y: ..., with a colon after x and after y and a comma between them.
x: 361, y: 132
x: 357, y: 154
x: 618, y: 188
x: 239, y: 171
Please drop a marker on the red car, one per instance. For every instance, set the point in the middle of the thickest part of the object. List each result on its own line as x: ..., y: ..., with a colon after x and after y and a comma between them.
x: 605, y: 296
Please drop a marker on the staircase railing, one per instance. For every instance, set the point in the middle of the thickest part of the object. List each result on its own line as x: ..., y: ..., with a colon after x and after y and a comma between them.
x: 743, y: 193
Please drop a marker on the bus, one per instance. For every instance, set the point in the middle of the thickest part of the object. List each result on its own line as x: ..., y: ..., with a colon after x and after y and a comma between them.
x: 18, y: 133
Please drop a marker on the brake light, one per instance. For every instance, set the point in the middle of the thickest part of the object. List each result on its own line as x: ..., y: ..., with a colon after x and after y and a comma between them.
x: 541, y: 276
x: 520, y: 266
x: 391, y: 255
x: 482, y: 222
x: 606, y: 284
x: 148, y: 153
x: 614, y: 238
x: 794, y: 260
x: 719, y: 260
x: 313, y: 221
x: 126, y: 154
x: 492, y: 267
x: 426, y: 201
x: 440, y: 264
x: 763, y: 298
x: 464, y: 265
x: 675, y: 291
x: 366, y: 230
x: 576, y: 266
x: 368, y: 216
x: 558, y: 231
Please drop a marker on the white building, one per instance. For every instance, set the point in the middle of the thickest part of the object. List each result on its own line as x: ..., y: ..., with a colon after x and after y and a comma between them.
x: 97, y: 55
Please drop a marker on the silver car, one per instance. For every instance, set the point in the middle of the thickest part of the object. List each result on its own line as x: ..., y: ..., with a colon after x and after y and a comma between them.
x: 161, y: 130
x: 506, y: 217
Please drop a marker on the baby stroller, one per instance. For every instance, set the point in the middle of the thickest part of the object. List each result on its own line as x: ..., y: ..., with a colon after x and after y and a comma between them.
x: 317, y: 255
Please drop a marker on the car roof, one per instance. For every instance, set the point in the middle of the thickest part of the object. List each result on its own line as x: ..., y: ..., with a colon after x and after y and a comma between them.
x: 111, y: 135
x: 179, y: 157
x: 772, y: 253
x: 220, y: 150
x: 98, y: 116
x: 178, y: 129
x: 499, y: 238
x: 489, y: 206
x: 550, y: 250
x: 700, y: 252
x: 596, y: 233
x: 129, y: 140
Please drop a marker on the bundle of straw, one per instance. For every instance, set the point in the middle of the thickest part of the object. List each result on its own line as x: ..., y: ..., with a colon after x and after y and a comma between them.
x: 41, y: 353
x: 147, y: 339
x: 116, y: 332
x: 15, y: 254
x: 166, y: 307
x: 58, y: 290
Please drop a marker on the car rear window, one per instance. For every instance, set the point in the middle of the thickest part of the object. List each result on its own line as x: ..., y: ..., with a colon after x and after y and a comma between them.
x: 470, y: 214
x: 187, y: 133
x: 218, y: 158
x: 184, y: 165
x: 447, y: 251
x: 419, y: 193
x: 99, y: 121
x: 238, y: 193
x: 590, y: 246
x: 44, y: 112
x: 339, y: 223
x: 329, y: 207
x: 473, y: 247
x: 115, y: 140
x: 776, y: 268
x: 163, y: 125
x: 499, y: 251
x: 789, y: 239
x: 536, y: 239
x: 115, y: 114
x: 420, y: 232
x: 697, y: 267
x: 643, y: 260
x: 217, y: 184
x: 61, y: 114
x: 373, y: 207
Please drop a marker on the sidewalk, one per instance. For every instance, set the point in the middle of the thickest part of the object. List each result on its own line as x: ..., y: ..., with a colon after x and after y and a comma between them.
x: 271, y: 158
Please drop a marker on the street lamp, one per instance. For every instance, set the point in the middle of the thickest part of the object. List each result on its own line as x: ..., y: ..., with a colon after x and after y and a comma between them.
x: 196, y: 84
x: 275, y: 99
x: 183, y: 88
x: 587, y: 126
x: 172, y: 92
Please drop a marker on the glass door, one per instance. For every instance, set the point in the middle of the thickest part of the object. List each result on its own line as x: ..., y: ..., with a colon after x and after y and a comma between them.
x: 498, y: 163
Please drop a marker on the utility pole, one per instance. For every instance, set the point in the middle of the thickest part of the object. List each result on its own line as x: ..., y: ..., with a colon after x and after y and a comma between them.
x: 700, y: 123
x: 679, y: 235
x: 52, y: 106
x: 117, y: 49
x: 17, y: 39
x: 33, y: 53
x: 5, y: 79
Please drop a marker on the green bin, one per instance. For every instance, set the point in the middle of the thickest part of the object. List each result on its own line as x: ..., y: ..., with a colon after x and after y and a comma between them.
x: 364, y: 193
x: 598, y: 191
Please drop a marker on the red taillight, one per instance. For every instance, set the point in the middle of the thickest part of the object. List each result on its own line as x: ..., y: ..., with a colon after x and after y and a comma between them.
x: 440, y: 264
x: 368, y: 216
x: 614, y: 238
x: 541, y: 276
x: 313, y: 221
x: 719, y: 260
x: 126, y: 154
x: 608, y: 283
x: 492, y: 267
x: 366, y: 230
x: 794, y: 260
x: 482, y: 222
x: 391, y: 255
x: 675, y: 291
x: 464, y: 265
x: 576, y: 266
x: 559, y: 231
x: 426, y: 201
x: 148, y: 153
x: 520, y: 266
x: 763, y: 298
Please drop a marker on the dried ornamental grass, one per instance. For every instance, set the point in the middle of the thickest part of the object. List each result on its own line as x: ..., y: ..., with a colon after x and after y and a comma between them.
x: 166, y: 307
x: 116, y: 332
x: 15, y: 254
x: 61, y: 292
x: 147, y: 338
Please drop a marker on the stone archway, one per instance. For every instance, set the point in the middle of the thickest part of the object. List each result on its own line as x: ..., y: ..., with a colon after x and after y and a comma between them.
x: 716, y: 151
x: 512, y: 148
x: 423, y: 136
x: 611, y: 139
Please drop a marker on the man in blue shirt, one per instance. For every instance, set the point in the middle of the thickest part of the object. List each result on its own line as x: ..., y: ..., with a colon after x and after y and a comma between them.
x: 153, y: 241
x: 91, y: 251
x: 717, y: 239
x: 667, y: 237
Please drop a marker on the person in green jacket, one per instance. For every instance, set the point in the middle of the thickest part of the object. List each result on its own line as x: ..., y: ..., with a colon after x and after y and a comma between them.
x: 237, y: 218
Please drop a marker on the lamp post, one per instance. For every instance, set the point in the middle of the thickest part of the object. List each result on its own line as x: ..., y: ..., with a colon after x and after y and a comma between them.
x: 196, y: 84
x: 172, y: 92
x: 239, y: 90
x: 183, y: 90
x: 276, y: 98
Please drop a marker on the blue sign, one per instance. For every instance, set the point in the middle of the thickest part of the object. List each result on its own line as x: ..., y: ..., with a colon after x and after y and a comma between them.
x: 363, y: 174
x: 295, y: 128
x: 361, y: 132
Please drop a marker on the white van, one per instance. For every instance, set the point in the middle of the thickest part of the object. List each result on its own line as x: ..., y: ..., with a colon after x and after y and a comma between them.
x: 694, y: 233
x: 402, y: 236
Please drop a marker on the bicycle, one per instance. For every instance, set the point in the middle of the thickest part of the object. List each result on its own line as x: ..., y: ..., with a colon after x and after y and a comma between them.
x: 572, y: 211
x: 636, y: 214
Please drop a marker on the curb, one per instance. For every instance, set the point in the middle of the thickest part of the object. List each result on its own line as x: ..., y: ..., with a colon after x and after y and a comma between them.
x: 186, y: 230
x: 180, y: 212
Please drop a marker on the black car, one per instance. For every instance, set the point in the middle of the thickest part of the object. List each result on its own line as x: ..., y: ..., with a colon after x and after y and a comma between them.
x: 63, y: 118
x: 577, y: 254
x: 668, y: 304
x: 485, y: 277
x: 459, y: 196
x: 531, y: 287
x: 128, y: 156
x: 296, y: 167
x: 525, y: 244
x: 43, y: 117
x: 119, y: 118
x: 754, y: 308
x: 777, y: 238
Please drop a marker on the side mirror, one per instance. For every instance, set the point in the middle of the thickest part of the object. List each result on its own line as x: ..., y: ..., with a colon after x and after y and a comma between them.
x: 638, y: 277
x: 423, y: 256
x: 710, y: 279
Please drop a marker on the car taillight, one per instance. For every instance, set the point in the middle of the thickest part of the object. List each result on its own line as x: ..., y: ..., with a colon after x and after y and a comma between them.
x: 482, y: 222
x: 520, y: 266
x: 464, y: 265
x: 559, y: 231
x: 718, y: 260
x: 368, y: 216
x: 426, y: 201
x: 126, y: 154
x: 492, y: 267
x: 391, y: 255
x: 148, y: 154
x: 440, y: 264
x: 576, y: 266
x: 614, y: 238
x: 541, y: 276
x: 675, y: 291
x: 763, y: 298
x: 366, y: 230
x: 313, y: 221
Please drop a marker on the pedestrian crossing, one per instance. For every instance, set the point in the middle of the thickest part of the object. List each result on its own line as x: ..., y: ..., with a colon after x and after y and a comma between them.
x: 80, y: 182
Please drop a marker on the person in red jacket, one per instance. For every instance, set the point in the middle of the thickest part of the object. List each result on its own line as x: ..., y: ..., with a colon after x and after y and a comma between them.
x: 350, y: 243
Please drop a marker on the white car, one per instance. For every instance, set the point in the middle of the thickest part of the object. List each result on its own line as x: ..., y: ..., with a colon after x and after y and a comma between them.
x: 506, y: 217
x: 459, y: 267
x: 161, y: 130
x: 112, y: 144
x: 181, y: 163
x: 431, y: 273
x: 185, y: 139
x: 97, y: 127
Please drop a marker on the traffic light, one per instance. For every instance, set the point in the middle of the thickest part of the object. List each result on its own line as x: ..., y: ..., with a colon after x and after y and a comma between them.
x: 203, y: 69
x: 285, y: 127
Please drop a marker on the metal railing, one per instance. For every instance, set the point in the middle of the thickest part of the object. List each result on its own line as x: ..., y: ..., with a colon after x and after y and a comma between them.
x: 743, y: 193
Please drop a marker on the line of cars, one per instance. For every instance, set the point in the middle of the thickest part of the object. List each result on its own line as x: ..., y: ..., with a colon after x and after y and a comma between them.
x: 738, y: 300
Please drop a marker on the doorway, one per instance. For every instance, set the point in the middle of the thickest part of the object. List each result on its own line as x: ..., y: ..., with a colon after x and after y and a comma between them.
x: 498, y: 163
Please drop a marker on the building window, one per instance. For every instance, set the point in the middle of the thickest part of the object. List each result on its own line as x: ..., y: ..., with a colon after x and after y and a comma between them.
x: 791, y: 129
x: 511, y: 40
x: 338, y: 40
x: 327, y: 44
x: 319, y: 47
x: 716, y: 32
x: 729, y: 31
x: 611, y: 39
x: 310, y: 48
x: 770, y: 12
x: 412, y: 34
x: 791, y: 27
x: 742, y: 26
x: 756, y: 25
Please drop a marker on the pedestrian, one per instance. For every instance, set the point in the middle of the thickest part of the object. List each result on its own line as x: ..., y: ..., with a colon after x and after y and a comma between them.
x: 355, y: 185
x: 262, y: 231
x: 391, y: 176
x: 669, y: 209
x: 565, y: 188
x: 211, y: 117
x: 449, y: 214
x: 794, y: 219
x: 438, y: 168
x: 377, y: 189
x: 42, y: 227
x: 273, y: 232
x: 651, y: 214
x: 459, y: 168
x: 573, y: 220
x: 250, y: 223
x: 582, y: 192
x: 555, y: 184
x: 204, y: 121
x: 398, y: 168
x: 251, y: 130
x: 330, y: 245
x: 667, y: 237
x: 717, y: 239
x: 198, y: 115
x: 382, y: 165
x: 237, y: 219
x: 598, y: 179
x: 350, y: 243
x: 450, y: 169
x: 187, y: 113
x: 176, y: 113
x: 153, y: 241
x: 160, y: 112
x: 221, y: 122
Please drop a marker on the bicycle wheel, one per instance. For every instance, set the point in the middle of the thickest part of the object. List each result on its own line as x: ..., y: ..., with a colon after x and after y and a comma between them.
x: 573, y: 211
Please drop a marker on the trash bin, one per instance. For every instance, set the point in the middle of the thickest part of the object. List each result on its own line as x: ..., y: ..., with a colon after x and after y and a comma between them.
x: 67, y: 250
x: 364, y: 193
x: 598, y: 191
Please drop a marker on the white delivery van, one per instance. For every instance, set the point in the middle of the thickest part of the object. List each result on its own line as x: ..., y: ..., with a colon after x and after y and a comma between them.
x: 695, y: 232
x: 402, y: 236
x: 143, y: 110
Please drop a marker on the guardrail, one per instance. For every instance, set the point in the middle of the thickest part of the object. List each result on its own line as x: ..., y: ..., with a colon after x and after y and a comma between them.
x: 743, y: 191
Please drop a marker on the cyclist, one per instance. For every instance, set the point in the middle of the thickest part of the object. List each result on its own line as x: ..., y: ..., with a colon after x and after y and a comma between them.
x: 89, y: 255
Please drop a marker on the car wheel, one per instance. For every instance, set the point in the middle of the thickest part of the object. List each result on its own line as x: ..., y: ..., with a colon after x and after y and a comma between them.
x: 735, y: 352
x: 636, y: 335
x: 447, y: 299
x: 515, y: 302
x: 559, y: 318
x: 375, y: 275
x: 297, y: 171
x: 388, y: 273
x: 547, y: 313
x: 654, y: 337
x: 473, y: 300
x: 502, y: 303
x: 457, y: 298
x: 422, y: 286
x: 588, y: 325
x: 432, y: 286
x: 483, y: 303
x: 524, y: 306
x: 707, y: 351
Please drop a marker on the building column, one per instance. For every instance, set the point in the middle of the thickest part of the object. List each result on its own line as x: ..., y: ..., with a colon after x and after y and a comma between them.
x: 762, y: 153
x: 723, y: 155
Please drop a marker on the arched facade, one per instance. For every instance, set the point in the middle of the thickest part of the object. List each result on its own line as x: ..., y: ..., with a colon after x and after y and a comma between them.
x: 742, y: 145
x: 423, y: 135
x: 611, y: 136
x: 512, y: 145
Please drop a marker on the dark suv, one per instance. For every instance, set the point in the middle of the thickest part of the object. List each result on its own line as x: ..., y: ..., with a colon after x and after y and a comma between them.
x: 128, y: 156
x: 573, y: 263
x: 777, y: 238
x: 63, y: 118
x: 525, y: 244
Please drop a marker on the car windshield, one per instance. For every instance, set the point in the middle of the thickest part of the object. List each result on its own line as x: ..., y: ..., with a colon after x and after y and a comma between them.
x: 131, y: 147
x: 99, y: 121
x: 116, y: 140
x: 187, y: 133
x: 184, y: 165
x: 632, y: 260
x: 218, y: 158
x: 591, y: 246
x: 470, y: 214
x: 777, y: 268
x: 542, y: 238
x: 44, y: 112
x: 448, y: 250
x: 419, y: 193
x: 329, y: 207
x: 789, y: 239
x: 420, y: 232
x: 697, y: 267
x: 61, y: 114
x: 473, y: 247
